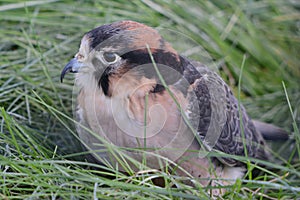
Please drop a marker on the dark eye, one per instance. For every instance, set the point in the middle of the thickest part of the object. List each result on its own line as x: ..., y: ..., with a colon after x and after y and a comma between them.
x: 110, y: 57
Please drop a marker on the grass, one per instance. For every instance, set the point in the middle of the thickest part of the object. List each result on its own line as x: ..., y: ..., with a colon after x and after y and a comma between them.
x: 40, y: 156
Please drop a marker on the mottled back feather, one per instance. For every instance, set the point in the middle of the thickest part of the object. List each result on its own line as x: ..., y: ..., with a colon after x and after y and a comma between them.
x: 230, y: 138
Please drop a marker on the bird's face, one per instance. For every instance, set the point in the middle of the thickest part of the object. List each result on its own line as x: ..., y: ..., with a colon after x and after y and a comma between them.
x: 110, y: 51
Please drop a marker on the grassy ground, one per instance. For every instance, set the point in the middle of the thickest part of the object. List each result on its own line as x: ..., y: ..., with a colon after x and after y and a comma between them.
x: 39, y: 153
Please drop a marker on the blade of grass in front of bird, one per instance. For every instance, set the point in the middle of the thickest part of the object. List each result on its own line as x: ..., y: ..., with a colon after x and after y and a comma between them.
x: 296, y: 130
x: 186, y: 120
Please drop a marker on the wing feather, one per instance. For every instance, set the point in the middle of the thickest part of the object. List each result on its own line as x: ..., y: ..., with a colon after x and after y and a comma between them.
x: 215, y: 114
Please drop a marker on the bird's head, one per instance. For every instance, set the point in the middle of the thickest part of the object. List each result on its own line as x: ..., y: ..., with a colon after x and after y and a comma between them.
x: 114, y: 49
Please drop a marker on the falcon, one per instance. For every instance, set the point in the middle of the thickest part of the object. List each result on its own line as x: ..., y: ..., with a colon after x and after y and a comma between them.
x: 138, y: 93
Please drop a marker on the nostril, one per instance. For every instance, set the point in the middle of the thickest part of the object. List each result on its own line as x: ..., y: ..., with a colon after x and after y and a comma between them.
x: 79, y: 56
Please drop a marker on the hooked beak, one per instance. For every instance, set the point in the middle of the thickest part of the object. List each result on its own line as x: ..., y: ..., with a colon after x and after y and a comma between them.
x: 72, y: 66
